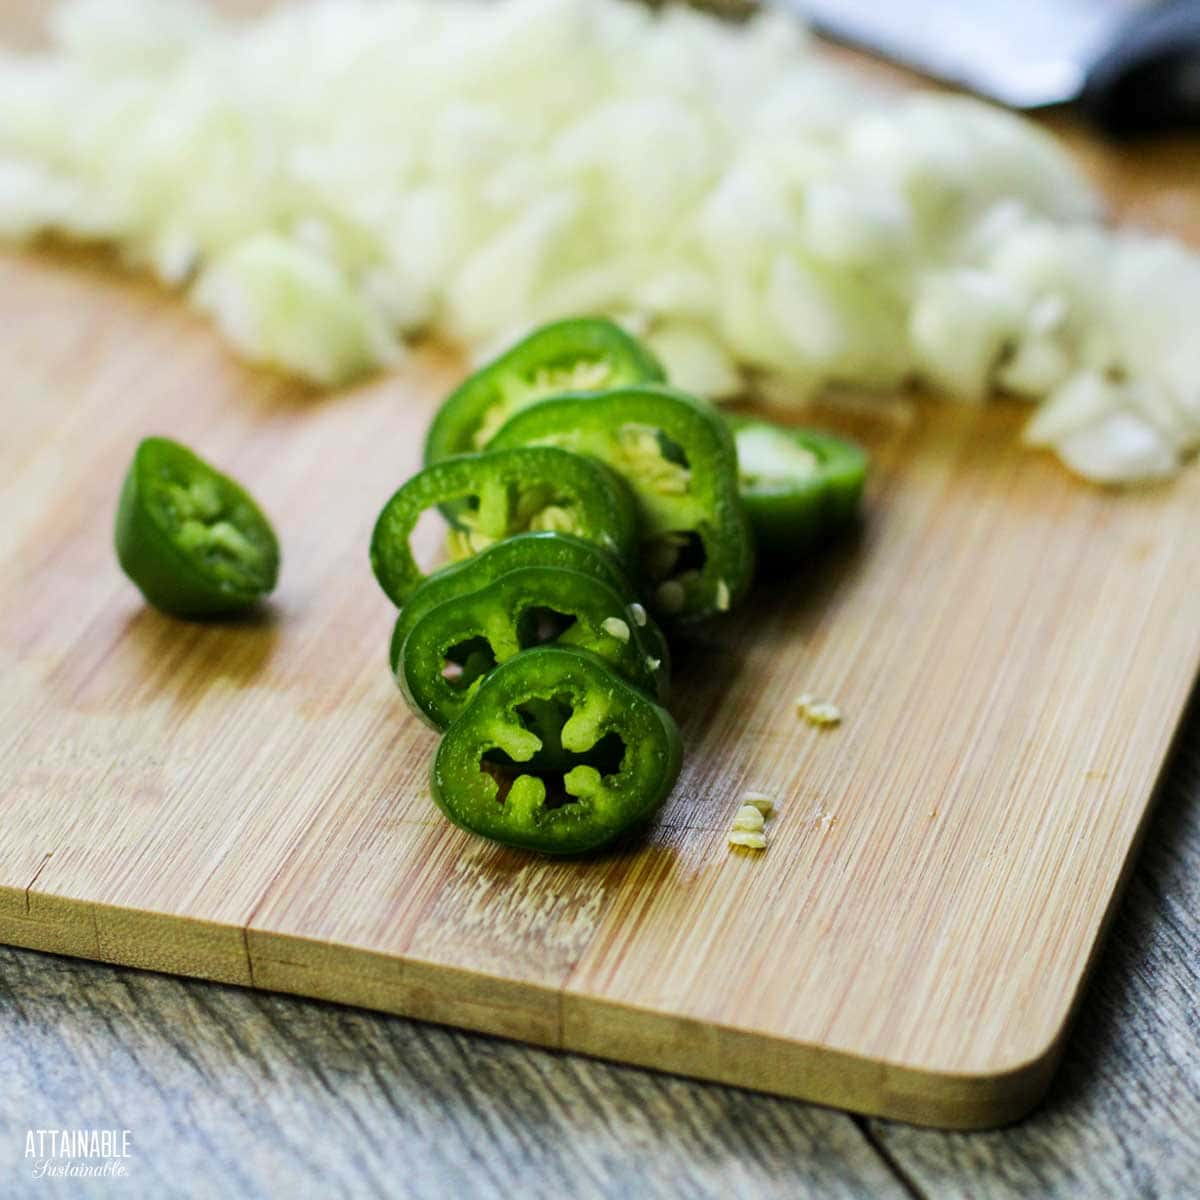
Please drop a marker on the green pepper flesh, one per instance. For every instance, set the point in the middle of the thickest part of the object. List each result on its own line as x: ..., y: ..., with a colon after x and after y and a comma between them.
x: 540, y: 549
x: 623, y: 755
x: 506, y: 493
x: 192, y: 539
x: 530, y: 605
x: 799, y: 486
x: 678, y: 457
x: 579, y: 354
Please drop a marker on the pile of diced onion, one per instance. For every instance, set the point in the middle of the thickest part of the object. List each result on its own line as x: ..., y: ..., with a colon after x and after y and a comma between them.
x: 332, y: 178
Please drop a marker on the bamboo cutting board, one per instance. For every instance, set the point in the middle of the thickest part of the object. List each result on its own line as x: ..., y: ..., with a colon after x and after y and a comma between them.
x: 247, y: 801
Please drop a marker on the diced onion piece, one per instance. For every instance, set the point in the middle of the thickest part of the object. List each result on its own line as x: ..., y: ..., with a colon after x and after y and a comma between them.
x: 1122, y: 448
x: 959, y: 325
x: 1083, y: 401
x: 28, y: 193
x: 281, y: 303
x: 1035, y: 367
x: 695, y: 361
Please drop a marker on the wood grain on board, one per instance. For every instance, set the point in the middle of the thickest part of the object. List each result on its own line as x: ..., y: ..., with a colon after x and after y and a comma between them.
x: 247, y: 801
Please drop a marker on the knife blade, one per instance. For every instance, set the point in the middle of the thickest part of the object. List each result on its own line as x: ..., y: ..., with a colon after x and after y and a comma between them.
x: 1135, y: 66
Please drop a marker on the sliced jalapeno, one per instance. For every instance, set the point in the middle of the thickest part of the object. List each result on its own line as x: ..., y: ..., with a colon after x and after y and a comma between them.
x: 455, y: 645
x: 582, y: 354
x: 545, y: 549
x: 798, y: 485
x: 191, y: 538
x: 622, y: 754
x: 536, y: 487
x: 678, y: 456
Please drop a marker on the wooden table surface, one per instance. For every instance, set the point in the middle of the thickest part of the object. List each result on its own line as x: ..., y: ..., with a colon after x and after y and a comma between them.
x: 234, y: 1093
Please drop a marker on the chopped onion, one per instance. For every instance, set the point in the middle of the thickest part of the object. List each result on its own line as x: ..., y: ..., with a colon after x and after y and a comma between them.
x: 694, y: 361
x: 335, y: 175
x: 283, y: 304
x: 1122, y: 448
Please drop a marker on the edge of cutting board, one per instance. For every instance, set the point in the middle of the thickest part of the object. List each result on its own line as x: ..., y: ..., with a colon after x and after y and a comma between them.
x: 555, y: 1019
x: 528, y: 1013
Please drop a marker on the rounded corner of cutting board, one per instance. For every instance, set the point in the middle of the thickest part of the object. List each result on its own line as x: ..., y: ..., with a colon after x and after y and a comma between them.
x: 934, y: 1095
x: 970, y: 1101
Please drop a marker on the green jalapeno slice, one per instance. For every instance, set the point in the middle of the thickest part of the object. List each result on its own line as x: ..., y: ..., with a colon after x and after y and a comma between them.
x: 192, y: 539
x: 580, y: 354
x: 542, y: 549
x: 621, y: 754
x: 508, y: 492
x: 799, y: 486
x: 678, y: 456
x: 456, y: 644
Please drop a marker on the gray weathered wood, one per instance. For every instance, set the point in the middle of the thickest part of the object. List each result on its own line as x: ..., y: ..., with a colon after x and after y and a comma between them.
x: 1123, y: 1117
x: 231, y: 1094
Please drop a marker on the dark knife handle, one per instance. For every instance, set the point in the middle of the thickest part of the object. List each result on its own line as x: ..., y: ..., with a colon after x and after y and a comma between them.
x: 1149, y: 79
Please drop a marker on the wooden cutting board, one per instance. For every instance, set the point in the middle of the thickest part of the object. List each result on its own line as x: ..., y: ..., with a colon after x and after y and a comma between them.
x: 247, y: 801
